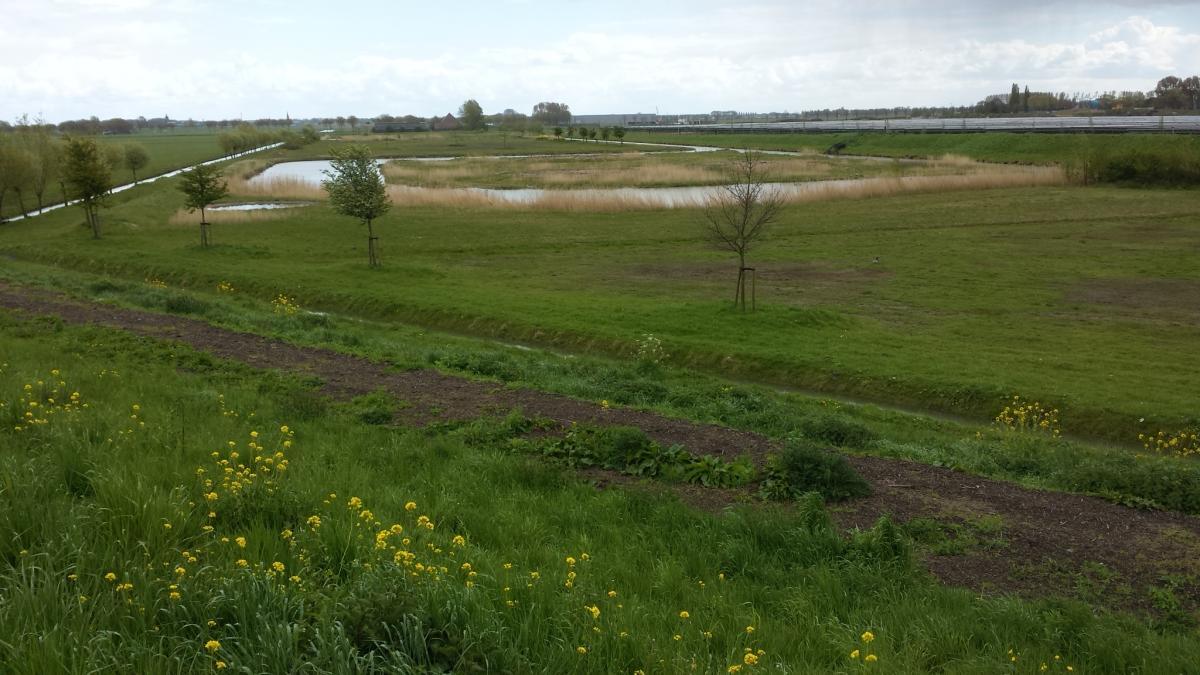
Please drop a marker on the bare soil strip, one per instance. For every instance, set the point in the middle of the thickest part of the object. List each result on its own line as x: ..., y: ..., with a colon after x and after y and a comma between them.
x: 1035, y: 543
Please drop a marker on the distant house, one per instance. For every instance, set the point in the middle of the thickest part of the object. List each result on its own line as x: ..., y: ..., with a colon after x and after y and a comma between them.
x: 447, y: 123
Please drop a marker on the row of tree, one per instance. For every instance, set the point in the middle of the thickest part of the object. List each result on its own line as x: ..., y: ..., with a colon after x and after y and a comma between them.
x: 584, y: 133
x: 33, y: 159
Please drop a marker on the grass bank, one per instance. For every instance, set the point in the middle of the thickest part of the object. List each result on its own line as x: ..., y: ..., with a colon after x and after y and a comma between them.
x: 347, y: 547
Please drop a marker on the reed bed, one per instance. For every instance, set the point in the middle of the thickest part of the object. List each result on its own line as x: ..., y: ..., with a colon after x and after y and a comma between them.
x: 277, y: 188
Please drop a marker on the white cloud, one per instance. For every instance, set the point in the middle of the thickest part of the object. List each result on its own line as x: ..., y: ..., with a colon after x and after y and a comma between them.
x: 128, y: 57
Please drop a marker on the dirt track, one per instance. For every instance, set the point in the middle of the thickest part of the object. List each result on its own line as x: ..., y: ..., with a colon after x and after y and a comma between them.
x: 1048, y: 542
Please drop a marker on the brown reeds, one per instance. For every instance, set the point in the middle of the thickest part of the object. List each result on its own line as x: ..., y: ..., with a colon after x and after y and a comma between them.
x: 182, y: 217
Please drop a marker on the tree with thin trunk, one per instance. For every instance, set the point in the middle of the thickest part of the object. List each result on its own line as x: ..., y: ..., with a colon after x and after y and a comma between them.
x: 202, y: 185
x: 47, y: 155
x: 16, y: 168
x: 619, y: 132
x: 89, y: 177
x: 136, y: 158
x: 737, y: 217
x: 605, y: 133
x: 592, y: 133
x: 356, y: 189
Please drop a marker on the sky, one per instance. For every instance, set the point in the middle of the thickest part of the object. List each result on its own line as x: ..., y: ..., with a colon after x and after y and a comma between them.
x: 213, y: 59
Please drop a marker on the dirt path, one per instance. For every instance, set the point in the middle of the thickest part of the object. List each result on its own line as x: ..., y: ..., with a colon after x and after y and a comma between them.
x: 1011, y: 538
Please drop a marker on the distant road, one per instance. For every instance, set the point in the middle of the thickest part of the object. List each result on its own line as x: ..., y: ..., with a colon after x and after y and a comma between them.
x: 1147, y: 123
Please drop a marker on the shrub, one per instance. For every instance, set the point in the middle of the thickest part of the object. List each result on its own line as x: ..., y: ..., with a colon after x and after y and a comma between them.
x: 804, y: 467
x: 377, y: 407
x: 836, y: 430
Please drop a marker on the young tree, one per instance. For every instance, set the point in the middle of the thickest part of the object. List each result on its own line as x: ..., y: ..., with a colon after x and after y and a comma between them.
x: 356, y: 189
x: 202, y: 185
x: 592, y: 133
x: 558, y: 132
x: 47, y: 157
x: 583, y: 133
x: 16, y: 168
x: 89, y: 177
x: 619, y: 132
x: 605, y: 133
x: 738, y: 216
x: 470, y: 113
x: 353, y: 120
x: 136, y: 158
x: 1025, y: 99
x: 1014, y: 99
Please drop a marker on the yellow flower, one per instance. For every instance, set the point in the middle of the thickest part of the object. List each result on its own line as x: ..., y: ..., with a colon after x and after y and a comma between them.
x: 219, y: 665
x: 750, y: 658
x: 459, y: 540
x: 581, y: 649
x: 735, y: 668
x: 241, y: 542
x: 242, y: 563
x: 612, y: 594
x: 595, y: 611
x: 314, y: 521
x: 354, y: 503
x: 294, y: 579
x: 749, y: 629
x: 570, y: 560
x: 110, y: 577
x: 684, y: 615
x: 212, y: 645
x: 180, y: 571
x: 868, y: 636
x: 277, y: 566
x: 854, y: 654
x: 410, y: 506
x: 175, y: 595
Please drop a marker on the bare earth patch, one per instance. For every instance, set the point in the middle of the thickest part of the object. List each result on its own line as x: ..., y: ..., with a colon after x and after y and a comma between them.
x: 1051, y: 543
x: 1179, y: 297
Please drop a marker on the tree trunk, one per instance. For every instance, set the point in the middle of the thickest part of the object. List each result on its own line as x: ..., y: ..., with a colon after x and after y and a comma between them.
x: 94, y: 219
x: 20, y: 200
x: 38, y: 194
x: 372, y: 254
x: 203, y: 229
x: 134, y: 172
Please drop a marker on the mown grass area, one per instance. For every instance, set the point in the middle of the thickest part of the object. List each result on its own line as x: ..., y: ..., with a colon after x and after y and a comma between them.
x: 1082, y: 298
x: 1036, y: 458
x: 348, y: 547
x: 1031, y: 148
x: 458, y: 144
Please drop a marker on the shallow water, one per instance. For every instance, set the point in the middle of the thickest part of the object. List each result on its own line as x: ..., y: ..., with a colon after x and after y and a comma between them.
x: 259, y: 206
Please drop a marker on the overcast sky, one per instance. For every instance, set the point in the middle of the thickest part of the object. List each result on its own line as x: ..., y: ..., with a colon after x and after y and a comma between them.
x: 264, y: 58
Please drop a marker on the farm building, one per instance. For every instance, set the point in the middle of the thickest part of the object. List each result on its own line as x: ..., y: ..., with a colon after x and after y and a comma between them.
x: 447, y: 123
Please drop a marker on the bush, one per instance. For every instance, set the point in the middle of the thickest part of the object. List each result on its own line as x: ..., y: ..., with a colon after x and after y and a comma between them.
x: 804, y: 467
x: 377, y: 407
x: 836, y: 430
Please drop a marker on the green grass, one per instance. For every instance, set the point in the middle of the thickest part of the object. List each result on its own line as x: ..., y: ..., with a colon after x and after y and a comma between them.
x: 167, y: 152
x: 1037, y: 460
x: 92, y: 490
x: 1078, y: 297
x: 1029, y: 148
x: 459, y: 144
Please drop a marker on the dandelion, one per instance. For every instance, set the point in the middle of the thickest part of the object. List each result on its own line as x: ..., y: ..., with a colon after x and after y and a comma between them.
x: 241, y: 542
x: 242, y: 563
x: 410, y: 506
x: 735, y: 668
x: 595, y: 612
x: 459, y: 540
x: 277, y: 566
x: 175, y: 596
x: 220, y: 665
x: 749, y: 629
x: 581, y: 649
x: 612, y: 594
x: 871, y: 658
x: 677, y: 637
x: 212, y: 646
x: 868, y: 636
x: 110, y: 577
x: 570, y: 560
x: 684, y: 615
x: 750, y: 658
x: 854, y: 654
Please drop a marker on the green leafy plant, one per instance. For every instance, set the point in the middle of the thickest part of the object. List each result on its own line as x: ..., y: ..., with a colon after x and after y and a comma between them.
x: 805, y: 467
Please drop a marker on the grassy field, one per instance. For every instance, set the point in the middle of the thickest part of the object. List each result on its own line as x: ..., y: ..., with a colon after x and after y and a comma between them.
x: 132, y: 548
x: 167, y: 152
x: 1083, y: 298
x: 459, y: 144
x: 1030, y: 148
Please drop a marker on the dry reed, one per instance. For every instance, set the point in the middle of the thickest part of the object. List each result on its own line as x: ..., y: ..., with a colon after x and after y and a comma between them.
x: 278, y: 188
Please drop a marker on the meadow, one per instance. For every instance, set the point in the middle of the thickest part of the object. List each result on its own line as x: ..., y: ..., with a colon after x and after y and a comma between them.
x: 165, y: 510
x: 175, y: 513
x: 1065, y: 295
x: 1027, y: 148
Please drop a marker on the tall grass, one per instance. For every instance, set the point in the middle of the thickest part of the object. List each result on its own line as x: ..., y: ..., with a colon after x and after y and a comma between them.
x: 300, y: 569
x: 183, y: 217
